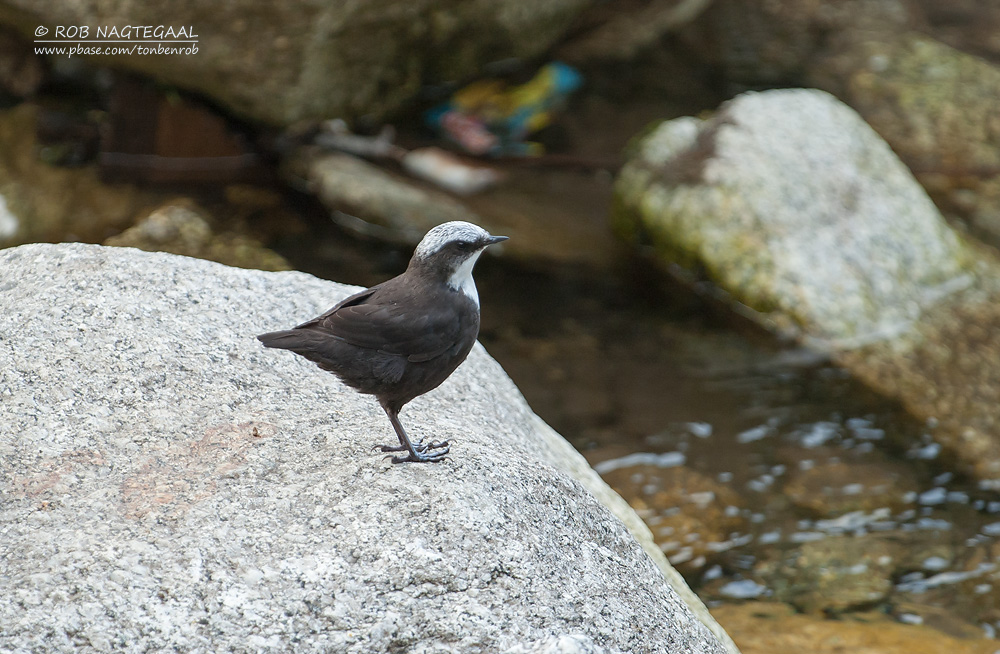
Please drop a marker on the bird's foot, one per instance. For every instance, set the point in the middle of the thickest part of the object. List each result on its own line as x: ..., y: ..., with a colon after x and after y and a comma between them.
x: 419, y: 447
x: 423, y: 456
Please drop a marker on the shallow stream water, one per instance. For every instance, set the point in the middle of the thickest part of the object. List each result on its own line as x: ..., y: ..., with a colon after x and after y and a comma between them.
x: 762, y: 470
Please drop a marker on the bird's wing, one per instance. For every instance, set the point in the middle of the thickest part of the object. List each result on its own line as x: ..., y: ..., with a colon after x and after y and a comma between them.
x: 363, y: 321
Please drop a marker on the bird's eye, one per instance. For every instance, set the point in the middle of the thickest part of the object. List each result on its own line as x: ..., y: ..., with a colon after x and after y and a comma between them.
x: 463, y: 246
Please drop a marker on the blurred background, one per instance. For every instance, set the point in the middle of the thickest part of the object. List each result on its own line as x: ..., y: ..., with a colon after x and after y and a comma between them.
x: 770, y: 321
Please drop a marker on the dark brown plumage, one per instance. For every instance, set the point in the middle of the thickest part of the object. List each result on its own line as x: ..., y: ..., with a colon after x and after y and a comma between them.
x: 403, y: 337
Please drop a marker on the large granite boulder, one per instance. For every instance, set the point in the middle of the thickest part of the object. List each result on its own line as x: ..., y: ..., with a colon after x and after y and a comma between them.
x: 168, y: 484
x: 282, y: 62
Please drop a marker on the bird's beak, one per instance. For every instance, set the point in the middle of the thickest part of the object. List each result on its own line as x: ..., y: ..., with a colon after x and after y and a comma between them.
x: 495, y: 239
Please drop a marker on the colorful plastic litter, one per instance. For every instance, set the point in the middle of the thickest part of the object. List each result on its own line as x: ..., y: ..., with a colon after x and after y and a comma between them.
x: 489, y: 118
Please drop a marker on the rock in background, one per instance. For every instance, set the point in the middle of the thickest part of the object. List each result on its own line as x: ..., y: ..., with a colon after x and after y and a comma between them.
x: 372, y: 201
x: 773, y: 628
x: 947, y: 372
x: 796, y: 209
x: 42, y: 202
x: 180, y: 227
x: 280, y: 63
x: 936, y: 106
x: 175, y: 485
x: 924, y: 74
x: 794, y: 206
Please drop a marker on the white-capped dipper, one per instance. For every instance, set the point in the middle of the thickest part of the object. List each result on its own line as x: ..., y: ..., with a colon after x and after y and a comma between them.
x: 405, y: 336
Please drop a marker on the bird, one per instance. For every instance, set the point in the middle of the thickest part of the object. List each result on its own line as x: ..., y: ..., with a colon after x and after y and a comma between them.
x: 402, y: 338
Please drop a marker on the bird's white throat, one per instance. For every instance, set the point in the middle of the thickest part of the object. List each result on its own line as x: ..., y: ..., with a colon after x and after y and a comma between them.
x: 461, y: 279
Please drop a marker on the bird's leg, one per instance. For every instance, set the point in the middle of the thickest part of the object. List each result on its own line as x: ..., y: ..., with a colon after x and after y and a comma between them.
x: 416, y: 452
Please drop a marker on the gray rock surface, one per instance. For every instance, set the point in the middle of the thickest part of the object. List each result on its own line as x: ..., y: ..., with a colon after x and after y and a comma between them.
x: 168, y: 484
x: 791, y: 204
x: 287, y: 61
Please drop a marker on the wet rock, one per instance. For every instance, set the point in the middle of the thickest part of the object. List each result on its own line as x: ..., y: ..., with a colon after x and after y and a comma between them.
x: 943, y: 620
x: 693, y: 518
x: 936, y: 107
x: 370, y: 200
x: 21, y: 70
x: 967, y: 583
x: 760, y: 44
x: 834, y: 488
x: 832, y: 575
x: 923, y: 74
x: 279, y: 63
x: 790, y: 203
x: 41, y: 202
x: 181, y: 228
x: 947, y: 372
x: 849, y: 254
x: 774, y: 628
x: 622, y: 31
x: 174, y: 484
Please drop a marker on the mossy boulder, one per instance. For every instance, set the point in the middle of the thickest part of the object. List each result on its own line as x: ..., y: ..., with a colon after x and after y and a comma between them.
x: 794, y: 207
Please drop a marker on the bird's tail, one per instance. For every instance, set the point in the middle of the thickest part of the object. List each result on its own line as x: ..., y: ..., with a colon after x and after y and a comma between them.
x: 288, y: 339
x: 321, y: 349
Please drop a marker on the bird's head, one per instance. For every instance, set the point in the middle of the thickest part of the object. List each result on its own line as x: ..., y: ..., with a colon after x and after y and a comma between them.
x: 450, y: 251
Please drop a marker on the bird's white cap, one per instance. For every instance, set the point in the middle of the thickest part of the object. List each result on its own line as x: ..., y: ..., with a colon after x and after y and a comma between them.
x: 456, y: 230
